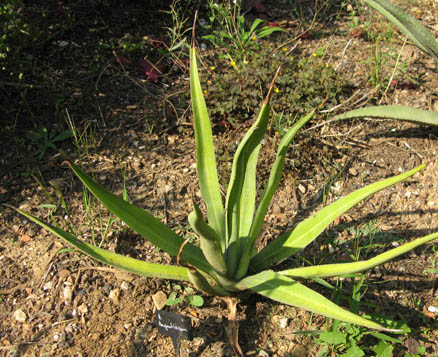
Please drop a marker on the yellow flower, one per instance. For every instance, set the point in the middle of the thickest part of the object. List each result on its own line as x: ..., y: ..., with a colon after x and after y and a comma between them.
x: 276, y: 90
x: 253, y: 38
x: 212, y: 68
x: 284, y: 49
x: 205, y: 92
x: 314, y: 54
x: 233, y: 63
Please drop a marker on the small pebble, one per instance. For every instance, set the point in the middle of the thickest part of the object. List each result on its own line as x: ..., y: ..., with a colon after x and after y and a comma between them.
x: 82, y: 309
x: 114, y: 295
x: 47, y: 286
x: 124, y: 285
x: 283, y: 322
x: 302, y: 188
x: 68, y: 292
x: 159, y: 299
x: 20, y: 315
x: 433, y: 309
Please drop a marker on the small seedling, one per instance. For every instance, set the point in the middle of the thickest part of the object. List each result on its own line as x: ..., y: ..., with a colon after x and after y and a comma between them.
x: 44, y: 140
x: 184, y: 294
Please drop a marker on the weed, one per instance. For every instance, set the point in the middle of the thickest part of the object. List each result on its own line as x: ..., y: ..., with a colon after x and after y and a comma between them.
x: 227, y: 31
x: 43, y: 139
x: 182, y: 294
x: 306, y: 82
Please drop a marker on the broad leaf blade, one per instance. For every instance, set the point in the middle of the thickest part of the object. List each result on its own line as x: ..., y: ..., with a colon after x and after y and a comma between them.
x: 209, y: 242
x: 408, y: 25
x: 285, y: 290
x: 241, y: 193
x: 271, y: 187
x: 205, y: 157
x: 396, y: 112
x: 119, y: 261
x: 305, y: 232
x: 326, y: 270
x: 144, y: 223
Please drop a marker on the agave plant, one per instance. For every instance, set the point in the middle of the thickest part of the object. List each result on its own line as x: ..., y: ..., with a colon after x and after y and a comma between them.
x: 408, y: 25
x: 227, y: 261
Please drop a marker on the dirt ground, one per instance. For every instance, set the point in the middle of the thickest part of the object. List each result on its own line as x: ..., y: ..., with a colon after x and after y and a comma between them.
x: 57, y: 302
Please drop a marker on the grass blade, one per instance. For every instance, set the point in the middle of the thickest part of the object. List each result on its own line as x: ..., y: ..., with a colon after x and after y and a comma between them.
x: 326, y: 270
x: 305, y: 232
x: 205, y: 157
x: 119, y: 261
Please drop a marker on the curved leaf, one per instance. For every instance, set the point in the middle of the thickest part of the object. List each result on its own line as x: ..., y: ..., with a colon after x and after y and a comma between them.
x: 285, y: 290
x: 144, y: 223
x: 396, y: 112
x: 408, y: 25
x: 241, y: 193
x: 209, y: 242
x: 271, y: 187
x: 326, y: 270
x: 119, y: 261
x: 205, y: 157
x: 305, y: 232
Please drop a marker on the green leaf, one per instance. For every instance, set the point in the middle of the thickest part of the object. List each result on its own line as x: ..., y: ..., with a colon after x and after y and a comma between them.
x: 268, y: 193
x: 327, y: 270
x: 354, y: 351
x: 241, y: 193
x: 144, y: 223
x: 408, y: 25
x: 383, y: 349
x: 195, y: 300
x: 266, y: 31
x: 66, y: 134
x: 333, y: 337
x: 205, y: 157
x: 205, y: 284
x: 396, y: 112
x: 305, y: 232
x: 116, y: 260
x: 285, y: 290
x: 210, y: 245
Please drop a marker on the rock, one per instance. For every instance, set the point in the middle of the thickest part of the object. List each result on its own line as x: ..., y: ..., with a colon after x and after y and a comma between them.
x: 82, y: 309
x: 114, y: 295
x: 159, y: 299
x: 124, y: 285
x: 284, y: 322
x: 68, y: 293
x: 20, y: 316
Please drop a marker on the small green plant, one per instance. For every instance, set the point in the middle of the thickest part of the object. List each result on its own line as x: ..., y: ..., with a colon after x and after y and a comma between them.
x: 228, y: 31
x: 184, y: 294
x: 43, y: 139
x: 375, y: 64
x: 227, y: 263
x: 306, y: 82
x: 350, y: 339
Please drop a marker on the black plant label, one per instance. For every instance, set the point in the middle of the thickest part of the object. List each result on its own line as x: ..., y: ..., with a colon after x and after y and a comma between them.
x: 178, y: 327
